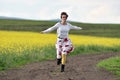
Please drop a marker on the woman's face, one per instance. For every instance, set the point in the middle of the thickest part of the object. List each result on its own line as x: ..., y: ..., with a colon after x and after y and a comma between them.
x: 64, y: 18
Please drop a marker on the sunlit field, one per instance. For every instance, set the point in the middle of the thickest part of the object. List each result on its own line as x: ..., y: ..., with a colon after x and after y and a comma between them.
x: 17, y: 42
x: 17, y: 48
x: 21, y: 42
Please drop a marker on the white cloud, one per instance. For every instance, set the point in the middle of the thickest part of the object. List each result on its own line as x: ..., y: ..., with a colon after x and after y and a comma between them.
x: 104, y: 14
x: 17, y: 14
x: 25, y: 2
x: 99, y: 11
x: 5, y: 14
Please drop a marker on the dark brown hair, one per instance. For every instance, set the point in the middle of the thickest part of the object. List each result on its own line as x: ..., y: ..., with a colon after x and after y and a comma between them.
x: 64, y: 13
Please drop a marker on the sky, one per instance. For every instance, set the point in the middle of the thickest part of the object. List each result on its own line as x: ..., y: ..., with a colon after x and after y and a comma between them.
x: 88, y: 11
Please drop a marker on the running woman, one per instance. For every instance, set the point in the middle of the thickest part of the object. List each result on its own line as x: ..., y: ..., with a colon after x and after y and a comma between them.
x: 63, y: 45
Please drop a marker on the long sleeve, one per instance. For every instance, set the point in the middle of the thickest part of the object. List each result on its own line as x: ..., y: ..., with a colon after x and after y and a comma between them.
x: 51, y: 28
x: 74, y: 27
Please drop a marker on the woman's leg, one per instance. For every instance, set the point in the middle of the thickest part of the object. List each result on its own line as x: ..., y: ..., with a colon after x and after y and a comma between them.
x: 58, y: 57
x: 63, y: 62
x: 63, y: 59
x: 59, y: 51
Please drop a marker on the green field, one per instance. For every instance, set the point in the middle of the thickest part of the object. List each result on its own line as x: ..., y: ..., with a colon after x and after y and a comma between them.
x: 10, y: 59
x: 103, y: 30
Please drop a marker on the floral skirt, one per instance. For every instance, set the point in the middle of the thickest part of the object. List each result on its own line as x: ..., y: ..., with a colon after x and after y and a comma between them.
x: 63, y: 46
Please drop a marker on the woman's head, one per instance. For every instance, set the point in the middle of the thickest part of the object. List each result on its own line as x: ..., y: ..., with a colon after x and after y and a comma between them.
x: 64, y: 16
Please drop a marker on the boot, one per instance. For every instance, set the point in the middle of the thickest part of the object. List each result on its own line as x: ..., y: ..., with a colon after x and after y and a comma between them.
x: 58, y: 61
x: 63, y: 59
x: 62, y: 68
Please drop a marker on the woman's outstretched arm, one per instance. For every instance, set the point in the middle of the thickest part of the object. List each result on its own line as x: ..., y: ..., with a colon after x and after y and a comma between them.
x: 74, y: 27
x: 50, y: 29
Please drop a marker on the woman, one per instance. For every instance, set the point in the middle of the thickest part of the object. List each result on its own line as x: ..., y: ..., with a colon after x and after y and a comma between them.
x: 63, y: 45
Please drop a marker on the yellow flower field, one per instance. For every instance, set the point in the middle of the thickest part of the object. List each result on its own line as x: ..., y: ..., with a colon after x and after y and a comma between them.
x: 19, y: 41
x: 18, y: 48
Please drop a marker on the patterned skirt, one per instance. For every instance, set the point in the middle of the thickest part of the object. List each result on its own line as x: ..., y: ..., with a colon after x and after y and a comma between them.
x: 64, y: 46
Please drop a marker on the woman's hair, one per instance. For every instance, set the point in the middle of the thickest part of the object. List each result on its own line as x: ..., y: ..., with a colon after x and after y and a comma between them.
x: 64, y: 13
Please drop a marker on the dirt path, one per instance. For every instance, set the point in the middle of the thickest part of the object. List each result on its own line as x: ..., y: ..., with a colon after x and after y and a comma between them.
x: 80, y: 67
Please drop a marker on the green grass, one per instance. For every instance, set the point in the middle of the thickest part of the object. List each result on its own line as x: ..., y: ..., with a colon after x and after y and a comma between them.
x: 111, y: 64
x: 10, y: 60
x: 25, y: 25
x: 103, y: 30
